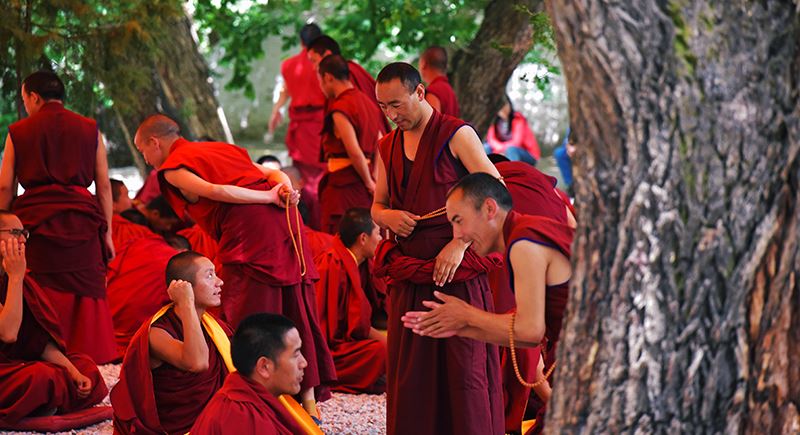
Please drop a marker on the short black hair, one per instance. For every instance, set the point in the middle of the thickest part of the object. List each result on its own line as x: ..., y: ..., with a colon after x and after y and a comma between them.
x: 324, y: 43
x: 335, y: 65
x: 309, y: 32
x: 183, y: 266
x: 161, y: 205
x: 268, y: 158
x: 354, y: 222
x: 46, y: 84
x: 479, y: 186
x: 436, y: 57
x: 260, y: 334
x: 134, y: 215
x: 403, y: 71
x: 116, y: 189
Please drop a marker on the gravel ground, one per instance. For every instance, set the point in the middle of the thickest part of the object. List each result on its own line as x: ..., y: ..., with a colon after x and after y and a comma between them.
x: 343, y: 414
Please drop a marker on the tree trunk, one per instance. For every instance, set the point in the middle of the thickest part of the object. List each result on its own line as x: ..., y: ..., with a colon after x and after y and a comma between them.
x: 683, y: 316
x: 481, y: 71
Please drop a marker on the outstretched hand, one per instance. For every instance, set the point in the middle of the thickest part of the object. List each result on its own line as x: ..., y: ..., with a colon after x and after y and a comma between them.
x: 445, y: 319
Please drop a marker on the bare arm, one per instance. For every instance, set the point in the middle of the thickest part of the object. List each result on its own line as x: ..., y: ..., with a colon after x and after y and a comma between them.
x: 7, y: 175
x: 466, y: 147
x: 344, y: 130
x: 276, y: 118
x: 102, y: 186
x: 11, y: 309
x: 53, y: 355
x: 433, y: 100
x: 194, y: 187
x: 191, y: 354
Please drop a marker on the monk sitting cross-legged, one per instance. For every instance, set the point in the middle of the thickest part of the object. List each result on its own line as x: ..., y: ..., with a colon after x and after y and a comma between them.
x: 37, y: 375
x: 358, y: 349
x: 178, y: 359
x: 266, y: 352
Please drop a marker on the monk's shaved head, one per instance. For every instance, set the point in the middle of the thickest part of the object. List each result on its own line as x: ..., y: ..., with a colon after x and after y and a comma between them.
x: 435, y: 57
x: 336, y: 66
x: 405, y: 72
x: 479, y: 186
x: 158, y: 125
x: 324, y: 43
x: 183, y: 266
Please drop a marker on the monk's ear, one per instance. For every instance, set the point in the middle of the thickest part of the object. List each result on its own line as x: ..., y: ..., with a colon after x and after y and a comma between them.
x: 265, y: 367
x: 420, y: 91
x: 490, y: 206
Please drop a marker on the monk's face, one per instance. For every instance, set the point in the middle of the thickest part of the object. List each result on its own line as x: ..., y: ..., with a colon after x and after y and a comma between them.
x: 404, y: 108
x: 326, y: 84
x: 11, y: 228
x: 287, y: 372
x: 207, y: 286
x: 123, y: 202
x: 372, y: 241
x: 151, y: 149
x: 471, y: 224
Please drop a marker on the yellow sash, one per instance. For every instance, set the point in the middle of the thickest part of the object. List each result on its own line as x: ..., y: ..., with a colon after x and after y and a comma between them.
x: 299, y: 413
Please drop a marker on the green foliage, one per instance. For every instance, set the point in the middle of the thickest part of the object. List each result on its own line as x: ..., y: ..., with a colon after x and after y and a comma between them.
x: 91, y: 44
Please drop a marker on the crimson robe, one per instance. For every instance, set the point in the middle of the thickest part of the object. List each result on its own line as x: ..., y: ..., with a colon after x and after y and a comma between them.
x: 555, y: 235
x: 344, y: 189
x: 200, y: 241
x: 364, y: 82
x: 27, y: 383
x: 260, y: 267
x: 149, y: 189
x: 56, y: 152
x: 124, y: 231
x: 440, y: 87
x: 318, y: 241
x: 166, y: 398
x: 447, y: 385
x: 136, y: 285
x: 345, y: 317
x: 533, y: 193
x: 243, y: 406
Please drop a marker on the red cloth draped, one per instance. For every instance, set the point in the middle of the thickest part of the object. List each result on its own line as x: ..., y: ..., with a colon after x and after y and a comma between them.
x: 440, y: 87
x: 164, y: 399
x: 318, y: 241
x: 345, y: 315
x: 556, y: 235
x: 435, y: 385
x: 200, y: 241
x: 136, y: 285
x: 364, y: 82
x: 259, y: 264
x: 398, y: 267
x: 149, y: 188
x: 27, y: 383
x: 305, y: 109
x: 124, y: 231
x: 243, y: 406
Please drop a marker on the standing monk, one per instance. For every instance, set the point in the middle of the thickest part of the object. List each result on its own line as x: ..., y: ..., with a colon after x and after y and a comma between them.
x: 265, y: 261
x: 352, y: 129
x: 56, y: 154
x: 433, y: 386
x: 37, y: 374
x: 306, y: 111
x: 438, y: 92
x: 537, y: 251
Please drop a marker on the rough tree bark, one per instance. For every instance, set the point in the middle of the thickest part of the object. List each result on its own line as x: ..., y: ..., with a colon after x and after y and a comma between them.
x: 684, y: 315
x: 481, y: 71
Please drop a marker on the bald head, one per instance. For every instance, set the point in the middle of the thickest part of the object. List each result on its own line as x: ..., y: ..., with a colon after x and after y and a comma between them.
x: 435, y: 58
x: 158, y: 125
x: 154, y: 137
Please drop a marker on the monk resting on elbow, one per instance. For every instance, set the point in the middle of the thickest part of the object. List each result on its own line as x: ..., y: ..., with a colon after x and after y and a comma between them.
x: 37, y: 375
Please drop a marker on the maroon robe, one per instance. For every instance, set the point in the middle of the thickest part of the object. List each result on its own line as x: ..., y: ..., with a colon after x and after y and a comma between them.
x: 243, y: 406
x: 318, y: 241
x: 345, y: 317
x: 435, y: 385
x: 344, y: 189
x: 259, y: 265
x: 56, y: 152
x: 149, y: 189
x: 124, y: 231
x: 27, y: 383
x: 364, y: 82
x: 440, y: 87
x: 555, y: 235
x: 136, y: 285
x: 200, y: 241
x: 166, y: 398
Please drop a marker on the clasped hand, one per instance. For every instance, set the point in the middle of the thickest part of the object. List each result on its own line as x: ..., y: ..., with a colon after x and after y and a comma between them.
x: 445, y: 319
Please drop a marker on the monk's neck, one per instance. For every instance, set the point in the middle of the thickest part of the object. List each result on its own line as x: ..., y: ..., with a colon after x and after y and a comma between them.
x: 416, y: 132
x: 432, y: 76
x: 200, y: 311
x: 499, y: 225
x: 356, y: 255
x: 341, y: 88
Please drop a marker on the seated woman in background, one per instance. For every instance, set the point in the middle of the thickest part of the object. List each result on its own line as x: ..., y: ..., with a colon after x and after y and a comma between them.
x: 511, y: 136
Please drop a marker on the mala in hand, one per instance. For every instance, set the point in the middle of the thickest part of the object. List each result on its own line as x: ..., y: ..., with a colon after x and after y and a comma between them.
x: 514, y: 359
x: 299, y: 242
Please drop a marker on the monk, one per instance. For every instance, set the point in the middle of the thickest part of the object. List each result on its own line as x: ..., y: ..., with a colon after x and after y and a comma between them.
x: 56, y: 154
x: 324, y: 46
x: 121, y: 200
x: 267, y: 265
x: 136, y: 287
x: 176, y: 361
x: 351, y: 131
x: 537, y: 251
x: 306, y: 112
x: 37, y: 375
x: 266, y: 353
x: 430, y: 389
x: 438, y: 92
x: 359, y: 350
x: 161, y: 218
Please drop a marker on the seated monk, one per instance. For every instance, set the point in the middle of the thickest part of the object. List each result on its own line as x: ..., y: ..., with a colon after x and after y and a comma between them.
x: 135, y: 283
x: 266, y: 353
x: 358, y: 349
x: 178, y: 359
x: 120, y: 201
x: 37, y: 375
